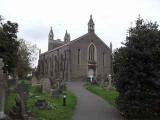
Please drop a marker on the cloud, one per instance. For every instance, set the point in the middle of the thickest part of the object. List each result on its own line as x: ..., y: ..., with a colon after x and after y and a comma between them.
x: 112, y: 17
x: 36, y: 32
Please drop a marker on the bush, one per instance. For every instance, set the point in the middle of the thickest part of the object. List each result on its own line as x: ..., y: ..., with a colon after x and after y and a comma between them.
x: 137, y: 74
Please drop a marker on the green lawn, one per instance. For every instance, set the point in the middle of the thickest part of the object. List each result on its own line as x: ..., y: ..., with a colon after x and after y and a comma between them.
x: 108, y: 95
x: 58, y: 111
x: 10, y: 101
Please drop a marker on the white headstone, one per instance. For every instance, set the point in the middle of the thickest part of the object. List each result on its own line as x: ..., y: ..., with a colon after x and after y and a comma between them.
x: 110, y: 81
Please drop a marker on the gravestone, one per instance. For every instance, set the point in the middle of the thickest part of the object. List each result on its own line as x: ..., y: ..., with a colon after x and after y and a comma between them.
x: 46, y: 85
x: 109, y: 81
x: 2, y: 90
x: 23, y: 93
x: 19, y: 112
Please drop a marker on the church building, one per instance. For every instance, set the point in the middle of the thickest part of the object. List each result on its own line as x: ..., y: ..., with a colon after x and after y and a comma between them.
x: 85, y: 57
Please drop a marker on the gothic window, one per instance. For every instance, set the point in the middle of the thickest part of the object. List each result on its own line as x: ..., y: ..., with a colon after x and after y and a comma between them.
x: 61, y: 63
x: 46, y: 69
x: 51, y: 67
x: 91, y: 27
x: 91, y: 52
x: 65, y: 55
x: 42, y: 68
x: 47, y: 66
x: 103, y: 58
x: 78, y: 56
x: 55, y: 63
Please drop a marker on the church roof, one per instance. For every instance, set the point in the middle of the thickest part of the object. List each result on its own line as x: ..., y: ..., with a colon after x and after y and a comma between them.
x: 85, y: 35
x: 75, y: 40
x: 79, y: 38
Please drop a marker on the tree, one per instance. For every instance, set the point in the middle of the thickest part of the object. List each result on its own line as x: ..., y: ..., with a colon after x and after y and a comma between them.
x: 137, y: 71
x: 26, y: 55
x: 8, y: 44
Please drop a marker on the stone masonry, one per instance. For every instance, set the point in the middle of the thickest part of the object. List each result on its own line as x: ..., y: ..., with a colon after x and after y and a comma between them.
x: 86, y: 56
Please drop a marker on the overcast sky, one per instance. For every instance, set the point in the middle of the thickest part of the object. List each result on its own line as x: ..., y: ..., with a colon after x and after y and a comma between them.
x: 111, y: 17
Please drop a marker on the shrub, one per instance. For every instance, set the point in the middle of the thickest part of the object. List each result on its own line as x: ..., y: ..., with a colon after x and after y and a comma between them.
x: 137, y: 71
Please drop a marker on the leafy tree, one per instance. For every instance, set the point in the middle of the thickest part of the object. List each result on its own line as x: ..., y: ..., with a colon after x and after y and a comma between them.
x: 8, y: 44
x: 26, y: 55
x: 137, y: 71
x: 18, y: 55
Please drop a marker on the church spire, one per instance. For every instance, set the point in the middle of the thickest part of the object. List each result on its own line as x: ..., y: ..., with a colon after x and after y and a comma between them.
x: 91, y: 25
x: 67, y: 37
x: 50, y: 39
x: 51, y: 35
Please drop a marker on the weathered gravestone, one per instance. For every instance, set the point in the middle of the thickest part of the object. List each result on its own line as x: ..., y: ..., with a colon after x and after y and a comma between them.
x: 19, y: 112
x: 109, y: 81
x: 2, y: 90
x: 23, y: 93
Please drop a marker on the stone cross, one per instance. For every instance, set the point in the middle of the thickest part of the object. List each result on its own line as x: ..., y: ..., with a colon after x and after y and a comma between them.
x: 110, y: 81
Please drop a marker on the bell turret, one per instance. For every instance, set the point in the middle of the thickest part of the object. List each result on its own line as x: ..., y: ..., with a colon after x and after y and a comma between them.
x: 51, y: 35
x: 91, y: 25
x: 67, y: 37
x: 50, y: 39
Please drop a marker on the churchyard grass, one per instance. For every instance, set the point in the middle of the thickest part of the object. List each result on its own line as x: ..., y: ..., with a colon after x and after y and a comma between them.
x: 57, y: 111
x: 10, y: 101
x: 108, y: 95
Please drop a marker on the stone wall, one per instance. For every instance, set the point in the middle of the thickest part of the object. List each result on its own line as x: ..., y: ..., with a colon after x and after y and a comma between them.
x: 62, y: 62
x: 103, y: 63
x: 54, y: 65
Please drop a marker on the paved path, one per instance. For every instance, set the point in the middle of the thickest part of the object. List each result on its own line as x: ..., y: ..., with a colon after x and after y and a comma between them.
x: 90, y: 106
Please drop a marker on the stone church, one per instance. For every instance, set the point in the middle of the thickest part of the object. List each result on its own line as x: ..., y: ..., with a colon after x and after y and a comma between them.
x: 85, y: 57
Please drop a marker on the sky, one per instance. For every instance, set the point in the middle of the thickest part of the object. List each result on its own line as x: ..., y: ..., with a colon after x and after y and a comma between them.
x: 112, y: 18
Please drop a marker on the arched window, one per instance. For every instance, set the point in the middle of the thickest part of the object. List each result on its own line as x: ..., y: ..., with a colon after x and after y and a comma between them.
x: 46, y: 68
x: 55, y: 63
x: 91, y: 52
x: 78, y: 56
x: 51, y: 66
x: 61, y: 62
x: 42, y: 67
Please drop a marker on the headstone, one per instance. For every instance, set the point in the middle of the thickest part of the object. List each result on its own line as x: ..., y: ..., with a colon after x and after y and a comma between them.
x: 34, y: 81
x: 23, y: 92
x: 109, y: 81
x: 46, y: 85
x: 2, y: 90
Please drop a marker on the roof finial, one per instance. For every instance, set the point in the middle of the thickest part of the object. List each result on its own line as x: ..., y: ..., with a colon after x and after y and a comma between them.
x: 51, y: 28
